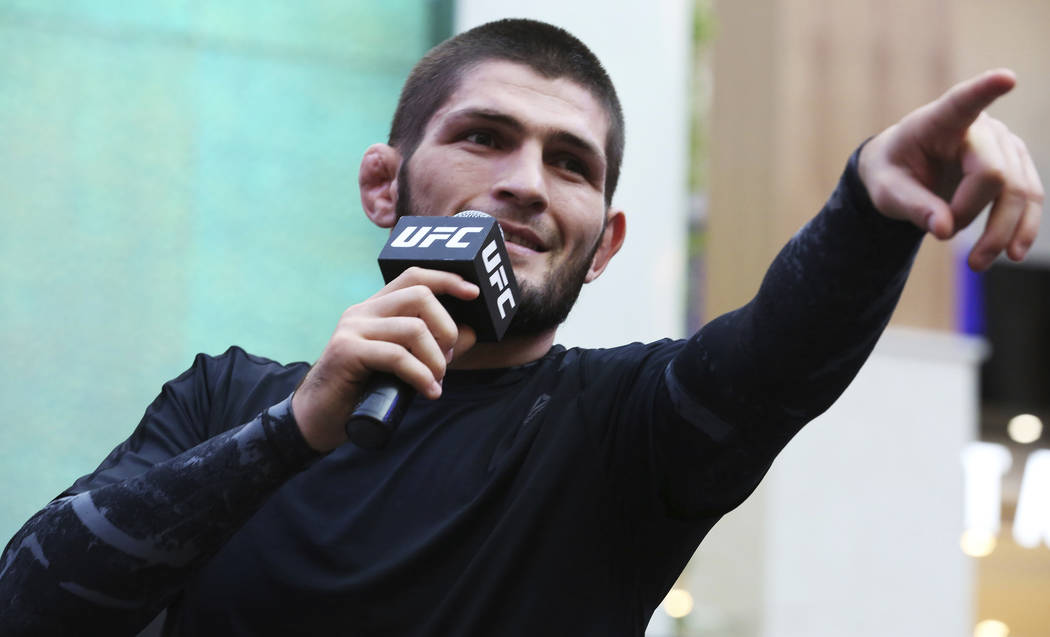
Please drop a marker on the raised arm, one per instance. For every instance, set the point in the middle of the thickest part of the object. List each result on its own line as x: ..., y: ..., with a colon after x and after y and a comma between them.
x: 749, y: 380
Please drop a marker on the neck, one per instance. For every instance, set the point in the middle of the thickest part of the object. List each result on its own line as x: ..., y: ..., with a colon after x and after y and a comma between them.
x: 512, y: 351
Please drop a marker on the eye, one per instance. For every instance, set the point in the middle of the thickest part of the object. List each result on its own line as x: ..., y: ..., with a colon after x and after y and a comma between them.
x: 481, y: 138
x: 571, y: 164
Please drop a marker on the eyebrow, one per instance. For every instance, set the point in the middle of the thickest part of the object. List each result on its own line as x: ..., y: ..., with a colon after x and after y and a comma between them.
x: 513, y: 123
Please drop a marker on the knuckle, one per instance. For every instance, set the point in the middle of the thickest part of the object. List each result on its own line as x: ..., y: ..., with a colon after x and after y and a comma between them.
x: 350, y: 313
x: 993, y: 176
x: 445, y: 343
x: 450, y: 334
x: 351, y: 324
x: 402, y: 358
x: 342, y: 346
x: 1021, y: 146
x: 359, y: 310
x: 419, y: 292
x: 1015, y: 193
x: 995, y: 242
x: 1029, y: 194
x: 418, y: 275
x: 418, y: 327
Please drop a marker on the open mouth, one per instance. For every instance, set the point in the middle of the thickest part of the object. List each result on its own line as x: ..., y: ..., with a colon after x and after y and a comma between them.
x: 523, y: 237
x: 535, y: 247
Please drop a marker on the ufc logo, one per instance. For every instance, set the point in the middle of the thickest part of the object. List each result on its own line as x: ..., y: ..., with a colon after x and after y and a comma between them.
x: 497, y: 277
x: 425, y: 236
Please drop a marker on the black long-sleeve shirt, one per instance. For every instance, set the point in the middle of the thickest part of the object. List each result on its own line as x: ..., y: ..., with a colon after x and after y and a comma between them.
x: 559, y: 497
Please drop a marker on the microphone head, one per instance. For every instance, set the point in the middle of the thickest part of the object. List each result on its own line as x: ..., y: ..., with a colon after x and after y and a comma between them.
x: 470, y: 244
x: 476, y: 214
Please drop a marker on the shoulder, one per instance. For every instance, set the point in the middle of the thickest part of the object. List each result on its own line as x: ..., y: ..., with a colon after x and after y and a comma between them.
x: 235, y: 386
x: 215, y: 394
x: 236, y: 364
x: 626, y: 360
x: 631, y: 352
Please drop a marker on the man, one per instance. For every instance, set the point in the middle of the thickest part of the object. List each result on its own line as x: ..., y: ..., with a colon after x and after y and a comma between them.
x: 531, y: 489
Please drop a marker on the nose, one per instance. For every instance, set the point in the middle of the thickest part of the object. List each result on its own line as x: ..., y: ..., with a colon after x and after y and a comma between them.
x: 521, y: 179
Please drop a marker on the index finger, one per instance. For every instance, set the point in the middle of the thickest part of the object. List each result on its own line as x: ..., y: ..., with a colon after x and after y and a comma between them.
x: 439, y: 282
x: 958, y: 108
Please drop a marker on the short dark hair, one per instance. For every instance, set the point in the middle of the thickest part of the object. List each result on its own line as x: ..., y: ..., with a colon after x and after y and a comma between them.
x: 550, y: 51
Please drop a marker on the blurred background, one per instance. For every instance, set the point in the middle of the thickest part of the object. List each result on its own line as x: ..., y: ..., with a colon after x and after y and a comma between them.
x: 180, y: 176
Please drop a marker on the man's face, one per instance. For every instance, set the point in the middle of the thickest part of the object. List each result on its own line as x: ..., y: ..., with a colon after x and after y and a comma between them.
x: 529, y: 151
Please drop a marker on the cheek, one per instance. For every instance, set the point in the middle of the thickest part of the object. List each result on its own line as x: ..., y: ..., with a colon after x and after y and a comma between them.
x: 585, y: 231
x: 455, y: 181
x: 584, y: 210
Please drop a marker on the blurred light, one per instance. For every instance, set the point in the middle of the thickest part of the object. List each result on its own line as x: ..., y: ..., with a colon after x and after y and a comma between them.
x: 991, y: 628
x: 1032, y: 518
x: 1025, y: 428
x: 984, y: 464
x: 678, y: 603
x: 977, y: 542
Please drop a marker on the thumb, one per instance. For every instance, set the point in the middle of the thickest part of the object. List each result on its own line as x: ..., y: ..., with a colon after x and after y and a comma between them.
x: 467, y: 339
x: 900, y: 196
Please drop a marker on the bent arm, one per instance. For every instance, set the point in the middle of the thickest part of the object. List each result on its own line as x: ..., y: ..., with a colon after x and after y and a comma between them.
x: 110, y: 558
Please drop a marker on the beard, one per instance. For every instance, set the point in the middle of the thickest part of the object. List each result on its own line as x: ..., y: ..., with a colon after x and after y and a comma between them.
x: 541, y: 308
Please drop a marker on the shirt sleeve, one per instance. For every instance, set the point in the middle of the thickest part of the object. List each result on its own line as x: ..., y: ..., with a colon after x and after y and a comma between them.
x: 747, y: 382
x: 114, y: 549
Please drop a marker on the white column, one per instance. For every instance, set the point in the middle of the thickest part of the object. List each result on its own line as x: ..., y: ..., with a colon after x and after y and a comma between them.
x: 645, y: 48
x: 855, y: 530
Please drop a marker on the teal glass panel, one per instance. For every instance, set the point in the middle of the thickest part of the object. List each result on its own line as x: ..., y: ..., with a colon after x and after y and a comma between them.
x: 175, y: 177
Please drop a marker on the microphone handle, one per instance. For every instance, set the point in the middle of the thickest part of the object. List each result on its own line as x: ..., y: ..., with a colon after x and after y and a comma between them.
x: 383, y: 403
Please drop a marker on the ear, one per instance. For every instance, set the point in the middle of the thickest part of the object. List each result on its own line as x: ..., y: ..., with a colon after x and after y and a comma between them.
x: 612, y: 239
x: 377, y: 180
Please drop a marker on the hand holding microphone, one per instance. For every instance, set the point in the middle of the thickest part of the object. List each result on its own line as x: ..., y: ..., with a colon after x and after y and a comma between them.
x: 469, y: 244
x: 404, y: 331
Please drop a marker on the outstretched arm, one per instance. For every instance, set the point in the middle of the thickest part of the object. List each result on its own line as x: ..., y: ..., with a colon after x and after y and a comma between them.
x: 750, y: 379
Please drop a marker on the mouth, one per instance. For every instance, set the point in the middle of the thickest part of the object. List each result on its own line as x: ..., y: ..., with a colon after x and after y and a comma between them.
x: 523, y: 237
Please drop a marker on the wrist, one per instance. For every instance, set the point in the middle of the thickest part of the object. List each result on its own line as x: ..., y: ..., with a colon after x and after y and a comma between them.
x: 318, y: 429
x: 866, y: 161
x: 282, y: 430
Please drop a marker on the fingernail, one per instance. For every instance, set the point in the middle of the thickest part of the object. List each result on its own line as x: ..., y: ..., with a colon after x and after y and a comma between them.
x: 435, y: 389
x: 448, y: 356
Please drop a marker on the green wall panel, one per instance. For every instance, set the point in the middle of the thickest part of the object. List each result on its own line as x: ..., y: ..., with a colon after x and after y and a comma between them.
x: 175, y: 177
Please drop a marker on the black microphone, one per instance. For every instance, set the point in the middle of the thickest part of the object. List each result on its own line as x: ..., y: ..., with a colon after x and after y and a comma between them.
x: 469, y: 244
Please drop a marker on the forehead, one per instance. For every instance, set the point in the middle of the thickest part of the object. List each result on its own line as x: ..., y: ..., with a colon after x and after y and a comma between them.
x: 559, y: 104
